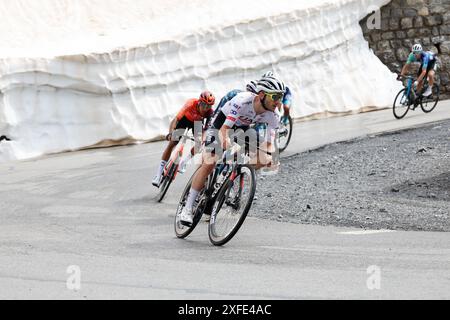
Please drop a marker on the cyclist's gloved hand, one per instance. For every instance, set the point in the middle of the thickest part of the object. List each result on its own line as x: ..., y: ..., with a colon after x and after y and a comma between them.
x: 169, y: 137
x: 399, y: 77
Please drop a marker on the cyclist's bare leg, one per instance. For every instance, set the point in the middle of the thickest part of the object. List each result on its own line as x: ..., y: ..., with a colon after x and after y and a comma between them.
x: 199, y: 179
x: 420, y: 83
x: 165, y: 158
x: 431, y: 76
x: 420, y: 86
x: 168, y: 151
x: 207, y: 166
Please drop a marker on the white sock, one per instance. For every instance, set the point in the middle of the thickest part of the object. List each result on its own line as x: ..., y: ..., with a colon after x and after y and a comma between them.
x: 191, y: 198
x: 161, y: 168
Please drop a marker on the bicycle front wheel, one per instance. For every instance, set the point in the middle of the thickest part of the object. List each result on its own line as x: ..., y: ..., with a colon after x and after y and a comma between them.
x: 428, y: 104
x: 285, y: 135
x: 232, y: 206
x: 181, y: 230
x: 401, y: 104
x: 167, y: 181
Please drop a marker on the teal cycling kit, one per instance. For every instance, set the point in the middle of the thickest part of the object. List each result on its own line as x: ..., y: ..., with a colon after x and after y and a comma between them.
x: 427, y: 60
x: 287, y: 99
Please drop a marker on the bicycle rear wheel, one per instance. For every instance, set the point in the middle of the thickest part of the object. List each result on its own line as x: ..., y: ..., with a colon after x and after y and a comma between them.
x: 401, y: 104
x: 232, y: 206
x: 166, y: 182
x: 428, y: 104
x: 181, y: 230
x: 285, y: 136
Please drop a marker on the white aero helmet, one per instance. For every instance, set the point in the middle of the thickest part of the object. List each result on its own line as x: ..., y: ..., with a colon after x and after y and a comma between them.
x: 268, y: 74
x: 252, y: 86
x: 271, y: 85
x: 417, y: 48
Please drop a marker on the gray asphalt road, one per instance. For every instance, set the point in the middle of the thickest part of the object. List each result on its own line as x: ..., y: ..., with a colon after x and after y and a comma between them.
x: 95, y: 210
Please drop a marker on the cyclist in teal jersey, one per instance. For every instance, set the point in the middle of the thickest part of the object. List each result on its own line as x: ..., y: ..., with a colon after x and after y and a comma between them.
x: 428, y: 67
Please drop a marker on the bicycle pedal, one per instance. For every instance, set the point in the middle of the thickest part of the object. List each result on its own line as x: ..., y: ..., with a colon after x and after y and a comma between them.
x: 156, y: 184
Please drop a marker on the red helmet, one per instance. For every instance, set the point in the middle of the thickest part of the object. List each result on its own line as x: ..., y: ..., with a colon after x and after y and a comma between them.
x: 208, y: 98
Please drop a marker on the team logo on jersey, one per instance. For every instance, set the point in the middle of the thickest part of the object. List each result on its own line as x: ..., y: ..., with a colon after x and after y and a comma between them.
x: 247, y: 103
x: 236, y: 106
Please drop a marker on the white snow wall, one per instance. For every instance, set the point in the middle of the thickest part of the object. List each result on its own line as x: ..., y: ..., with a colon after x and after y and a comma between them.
x: 65, y: 103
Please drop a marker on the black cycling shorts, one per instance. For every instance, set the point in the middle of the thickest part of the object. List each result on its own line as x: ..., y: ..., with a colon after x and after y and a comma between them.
x: 184, y: 123
x: 431, y: 66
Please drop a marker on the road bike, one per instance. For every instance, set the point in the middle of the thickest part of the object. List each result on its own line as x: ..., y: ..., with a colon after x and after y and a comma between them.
x: 227, y: 196
x: 408, y: 99
x: 171, y: 168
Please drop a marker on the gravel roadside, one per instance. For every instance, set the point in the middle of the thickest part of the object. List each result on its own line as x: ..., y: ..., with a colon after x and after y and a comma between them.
x: 398, y: 181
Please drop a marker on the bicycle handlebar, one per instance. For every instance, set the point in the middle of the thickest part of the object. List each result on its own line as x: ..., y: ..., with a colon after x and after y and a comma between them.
x: 258, y: 148
x: 180, y: 137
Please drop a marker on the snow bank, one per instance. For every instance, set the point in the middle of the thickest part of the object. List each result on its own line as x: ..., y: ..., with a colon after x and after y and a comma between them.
x: 77, y: 73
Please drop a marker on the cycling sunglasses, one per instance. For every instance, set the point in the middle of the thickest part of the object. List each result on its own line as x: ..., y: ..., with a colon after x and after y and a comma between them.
x: 275, y: 96
x: 204, y: 105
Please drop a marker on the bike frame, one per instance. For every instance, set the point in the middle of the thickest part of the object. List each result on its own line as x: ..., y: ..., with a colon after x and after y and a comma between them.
x: 410, y: 94
x: 177, y: 153
x: 408, y: 88
x: 211, y: 188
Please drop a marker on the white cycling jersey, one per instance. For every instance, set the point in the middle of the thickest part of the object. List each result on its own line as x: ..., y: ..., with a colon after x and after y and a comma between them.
x: 240, y: 112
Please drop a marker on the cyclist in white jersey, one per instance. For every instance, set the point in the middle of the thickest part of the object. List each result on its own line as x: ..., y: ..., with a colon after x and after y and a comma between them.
x: 239, y: 113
